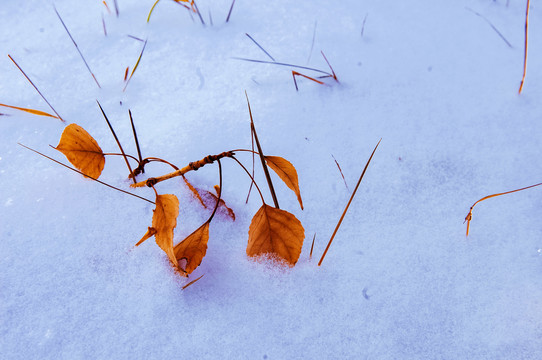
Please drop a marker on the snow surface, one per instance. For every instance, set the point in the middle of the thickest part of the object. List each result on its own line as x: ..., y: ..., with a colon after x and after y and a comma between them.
x: 401, y: 281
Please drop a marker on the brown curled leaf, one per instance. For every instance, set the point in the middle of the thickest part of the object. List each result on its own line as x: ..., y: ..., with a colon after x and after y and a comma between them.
x: 82, y: 150
x: 287, y: 173
x: 275, y: 232
x: 193, y: 248
x: 211, y: 199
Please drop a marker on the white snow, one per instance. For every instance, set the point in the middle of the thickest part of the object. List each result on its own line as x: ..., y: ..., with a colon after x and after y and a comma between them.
x: 401, y: 281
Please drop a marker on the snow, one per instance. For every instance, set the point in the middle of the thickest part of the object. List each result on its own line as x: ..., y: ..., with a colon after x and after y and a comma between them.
x: 400, y: 281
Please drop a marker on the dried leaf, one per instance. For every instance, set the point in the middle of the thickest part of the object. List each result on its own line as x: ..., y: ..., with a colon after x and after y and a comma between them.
x: 193, y: 248
x: 164, y: 220
x: 195, y: 192
x: 208, y: 200
x: 82, y: 150
x: 275, y: 232
x: 150, y: 232
x: 286, y: 171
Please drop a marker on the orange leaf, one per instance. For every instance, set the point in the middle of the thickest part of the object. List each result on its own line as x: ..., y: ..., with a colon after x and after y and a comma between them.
x: 164, y: 220
x: 193, y: 248
x: 194, y: 192
x: 82, y: 150
x: 286, y: 171
x: 275, y: 232
x: 150, y: 232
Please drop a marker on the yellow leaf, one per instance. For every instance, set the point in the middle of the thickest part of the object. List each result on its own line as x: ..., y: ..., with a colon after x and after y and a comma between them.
x: 164, y: 220
x: 193, y: 248
x: 82, y: 150
x: 286, y: 171
x: 275, y: 232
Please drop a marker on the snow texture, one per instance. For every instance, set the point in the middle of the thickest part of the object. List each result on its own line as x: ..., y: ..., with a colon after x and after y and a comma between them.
x: 432, y: 78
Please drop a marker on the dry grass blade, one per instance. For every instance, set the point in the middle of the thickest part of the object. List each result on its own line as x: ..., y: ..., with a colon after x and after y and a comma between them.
x: 231, y: 9
x: 295, y: 73
x: 526, y: 43
x: 262, y: 158
x: 284, y: 64
x: 35, y: 87
x: 79, y: 172
x: 363, y: 24
x: 118, y: 143
x: 492, y: 26
x: 192, y: 282
x: 348, y: 205
x: 261, y: 48
x: 152, y: 9
x: 340, y: 170
x: 135, y: 66
x: 328, y: 64
x: 31, y: 111
x: 77, y: 47
x: 468, y: 218
x: 312, y: 245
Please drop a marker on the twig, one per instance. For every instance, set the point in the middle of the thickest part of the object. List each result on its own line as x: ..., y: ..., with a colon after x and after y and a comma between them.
x: 39, y: 92
x: 193, y: 166
x: 90, y: 177
x: 77, y: 47
x: 526, y: 42
x: 348, y: 205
